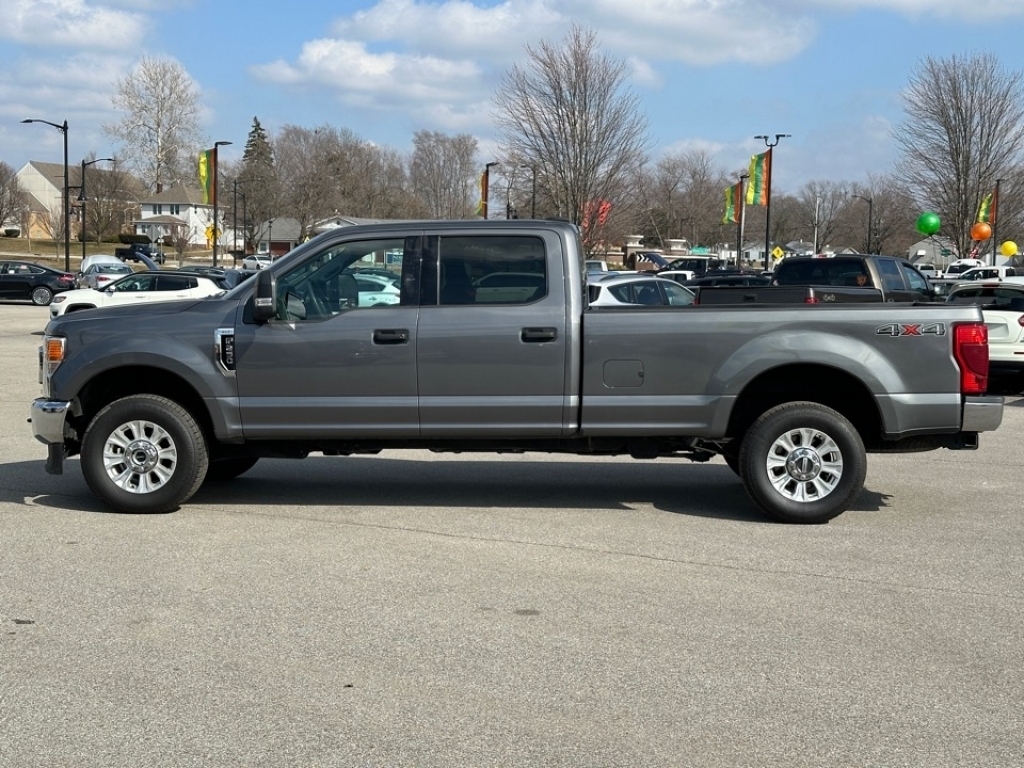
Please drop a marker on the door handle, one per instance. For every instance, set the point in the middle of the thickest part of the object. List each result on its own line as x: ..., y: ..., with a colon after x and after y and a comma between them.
x: 391, y: 336
x: 538, y: 334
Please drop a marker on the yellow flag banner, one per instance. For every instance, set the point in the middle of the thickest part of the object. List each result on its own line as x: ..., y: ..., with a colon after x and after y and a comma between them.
x: 733, y: 203
x: 206, y: 181
x: 760, y: 178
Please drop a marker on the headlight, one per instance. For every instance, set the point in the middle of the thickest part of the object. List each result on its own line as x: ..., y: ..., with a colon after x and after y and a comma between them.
x: 58, y: 299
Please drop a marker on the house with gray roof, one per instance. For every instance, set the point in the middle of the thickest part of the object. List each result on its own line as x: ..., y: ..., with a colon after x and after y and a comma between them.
x: 177, y: 212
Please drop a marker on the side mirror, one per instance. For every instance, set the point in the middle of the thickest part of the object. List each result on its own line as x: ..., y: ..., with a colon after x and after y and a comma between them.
x: 265, y: 299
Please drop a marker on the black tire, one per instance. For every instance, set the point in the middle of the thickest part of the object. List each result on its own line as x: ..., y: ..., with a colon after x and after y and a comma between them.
x: 144, y: 454
x: 228, y: 469
x: 802, y: 463
x: 41, y: 296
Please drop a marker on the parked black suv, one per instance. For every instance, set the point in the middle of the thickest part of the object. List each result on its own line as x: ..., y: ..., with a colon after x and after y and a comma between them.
x: 133, y: 252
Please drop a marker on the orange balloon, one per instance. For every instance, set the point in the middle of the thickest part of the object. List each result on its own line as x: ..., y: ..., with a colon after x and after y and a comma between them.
x: 981, y: 231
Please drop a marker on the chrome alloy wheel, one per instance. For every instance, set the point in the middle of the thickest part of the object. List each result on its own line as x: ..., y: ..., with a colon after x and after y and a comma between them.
x: 804, y: 464
x: 139, y: 456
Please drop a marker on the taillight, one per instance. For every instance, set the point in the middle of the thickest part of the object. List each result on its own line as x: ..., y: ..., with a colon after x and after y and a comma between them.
x: 1020, y: 320
x: 970, y: 349
x: 812, y: 300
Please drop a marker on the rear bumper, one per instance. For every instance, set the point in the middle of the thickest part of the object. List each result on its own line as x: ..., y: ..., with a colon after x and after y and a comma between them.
x: 982, y: 414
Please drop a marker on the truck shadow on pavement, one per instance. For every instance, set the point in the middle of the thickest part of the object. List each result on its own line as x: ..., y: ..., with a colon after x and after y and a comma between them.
x: 699, y: 490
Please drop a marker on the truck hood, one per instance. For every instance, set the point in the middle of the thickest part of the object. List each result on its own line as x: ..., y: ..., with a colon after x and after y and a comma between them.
x: 126, y: 313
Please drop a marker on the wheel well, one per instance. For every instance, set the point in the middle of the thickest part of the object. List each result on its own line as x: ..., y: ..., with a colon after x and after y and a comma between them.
x: 139, y: 380
x: 822, y: 384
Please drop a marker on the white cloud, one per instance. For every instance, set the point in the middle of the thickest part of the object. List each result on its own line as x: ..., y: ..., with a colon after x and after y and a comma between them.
x: 442, y: 61
x: 69, y: 24
x: 350, y: 67
x: 946, y: 10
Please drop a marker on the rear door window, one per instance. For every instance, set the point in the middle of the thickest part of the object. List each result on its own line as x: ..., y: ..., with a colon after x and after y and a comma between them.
x: 892, y: 279
x: 485, y: 269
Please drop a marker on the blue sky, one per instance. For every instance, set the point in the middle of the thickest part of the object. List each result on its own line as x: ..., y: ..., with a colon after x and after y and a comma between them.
x: 710, y: 74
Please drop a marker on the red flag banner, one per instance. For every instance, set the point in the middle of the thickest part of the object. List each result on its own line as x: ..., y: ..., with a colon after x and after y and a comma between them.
x: 595, y: 213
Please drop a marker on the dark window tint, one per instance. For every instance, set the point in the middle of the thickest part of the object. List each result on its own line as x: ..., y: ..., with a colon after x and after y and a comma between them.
x: 889, y: 270
x: 490, y: 270
x: 174, y: 283
x: 136, y: 283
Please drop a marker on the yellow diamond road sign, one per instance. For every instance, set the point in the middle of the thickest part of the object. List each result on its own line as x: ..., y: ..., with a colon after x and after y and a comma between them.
x: 777, y: 252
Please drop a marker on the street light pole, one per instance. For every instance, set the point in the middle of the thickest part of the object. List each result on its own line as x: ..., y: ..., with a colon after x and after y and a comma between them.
x: 215, y: 145
x: 994, y: 218
x: 743, y: 216
x: 81, y: 195
x: 768, y: 196
x: 234, y: 220
x: 871, y: 211
x: 817, y: 202
x: 63, y: 128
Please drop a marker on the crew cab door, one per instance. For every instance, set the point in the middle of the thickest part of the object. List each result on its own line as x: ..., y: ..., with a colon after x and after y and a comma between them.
x: 331, y: 364
x: 901, y: 282
x: 493, y: 336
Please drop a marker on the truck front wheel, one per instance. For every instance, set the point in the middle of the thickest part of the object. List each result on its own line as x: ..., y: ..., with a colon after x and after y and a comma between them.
x: 803, y: 463
x: 144, y: 453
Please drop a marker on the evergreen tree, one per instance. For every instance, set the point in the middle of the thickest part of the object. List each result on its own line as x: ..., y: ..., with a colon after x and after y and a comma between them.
x: 257, y: 181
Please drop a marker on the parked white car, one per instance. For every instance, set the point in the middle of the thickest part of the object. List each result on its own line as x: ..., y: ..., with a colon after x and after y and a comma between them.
x: 256, y: 261
x: 136, y: 288
x: 1002, y: 304
x: 959, y: 266
x: 988, y: 273
x: 637, y: 289
x: 376, y: 289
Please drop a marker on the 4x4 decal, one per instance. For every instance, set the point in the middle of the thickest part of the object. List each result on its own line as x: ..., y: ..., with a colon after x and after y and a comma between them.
x: 911, y: 329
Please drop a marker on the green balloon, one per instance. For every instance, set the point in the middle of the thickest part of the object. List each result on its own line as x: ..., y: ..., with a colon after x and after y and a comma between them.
x: 928, y: 223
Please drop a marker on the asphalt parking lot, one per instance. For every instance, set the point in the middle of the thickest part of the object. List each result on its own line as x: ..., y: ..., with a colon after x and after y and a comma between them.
x: 415, y: 609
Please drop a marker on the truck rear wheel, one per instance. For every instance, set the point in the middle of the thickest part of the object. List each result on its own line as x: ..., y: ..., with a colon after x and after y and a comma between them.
x: 803, y: 463
x: 144, y: 453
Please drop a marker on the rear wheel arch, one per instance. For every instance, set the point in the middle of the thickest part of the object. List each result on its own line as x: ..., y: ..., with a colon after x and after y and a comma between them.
x: 822, y: 384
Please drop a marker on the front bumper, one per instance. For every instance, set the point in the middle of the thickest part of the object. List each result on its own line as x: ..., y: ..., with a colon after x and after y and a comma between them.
x: 982, y: 414
x: 48, y: 418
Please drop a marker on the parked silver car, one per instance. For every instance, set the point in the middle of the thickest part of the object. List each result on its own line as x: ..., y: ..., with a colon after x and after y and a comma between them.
x: 99, y: 276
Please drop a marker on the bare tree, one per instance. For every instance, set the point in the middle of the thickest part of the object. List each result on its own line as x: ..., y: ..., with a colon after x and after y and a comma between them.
x: 109, y: 191
x: 386, y: 192
x: 12, y: 197
x: 569, y: 114
x: 682, y: 198
x: 443, y: 171
x: 307, y: 189
x: 159, y: 125
x: 821, y: 206
x: 964, y: 129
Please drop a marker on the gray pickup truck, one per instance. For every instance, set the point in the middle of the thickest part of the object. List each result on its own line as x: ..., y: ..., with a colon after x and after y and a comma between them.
x: 476, y: 336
